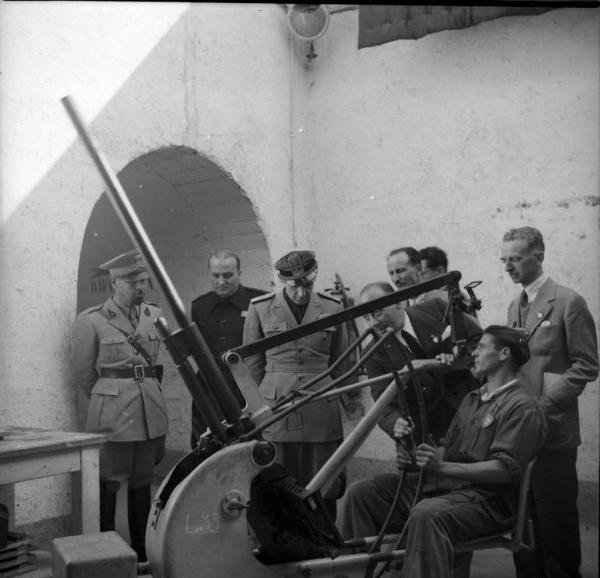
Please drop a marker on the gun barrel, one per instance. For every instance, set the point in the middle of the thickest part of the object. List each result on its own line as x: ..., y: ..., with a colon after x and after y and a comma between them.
x: 214, y: 378
x: 450, y: 279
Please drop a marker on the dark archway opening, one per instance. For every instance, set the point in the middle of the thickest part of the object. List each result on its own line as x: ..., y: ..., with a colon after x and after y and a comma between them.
x: 190, y: 208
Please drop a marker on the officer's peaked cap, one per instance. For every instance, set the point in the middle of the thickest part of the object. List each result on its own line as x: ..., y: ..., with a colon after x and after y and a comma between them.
x: 296, y: 264
x: 128, y: 265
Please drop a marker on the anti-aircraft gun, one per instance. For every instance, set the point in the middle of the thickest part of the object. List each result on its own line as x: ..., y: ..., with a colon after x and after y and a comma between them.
x: 226, y: 508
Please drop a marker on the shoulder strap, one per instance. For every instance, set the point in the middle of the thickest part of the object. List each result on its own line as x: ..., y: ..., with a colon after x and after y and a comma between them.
x: 132, y: 339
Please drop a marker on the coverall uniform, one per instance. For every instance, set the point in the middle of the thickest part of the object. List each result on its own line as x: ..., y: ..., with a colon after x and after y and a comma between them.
x: 509, y: 427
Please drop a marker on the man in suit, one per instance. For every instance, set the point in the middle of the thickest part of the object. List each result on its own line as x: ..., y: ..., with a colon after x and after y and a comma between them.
x: 307, y: 437
x: 115, y: 349
x: 564, y: 358
x: 434, y: 262
x: 404, y: 268
x: 422, y: 333
x: 220, y: 316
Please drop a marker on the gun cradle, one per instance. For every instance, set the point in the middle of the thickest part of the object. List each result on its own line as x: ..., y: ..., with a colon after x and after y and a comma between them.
x: 202, y: 529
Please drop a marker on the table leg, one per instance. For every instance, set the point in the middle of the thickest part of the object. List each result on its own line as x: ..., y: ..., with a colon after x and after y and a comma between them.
x: 85, y: 493
x: 7, y: 497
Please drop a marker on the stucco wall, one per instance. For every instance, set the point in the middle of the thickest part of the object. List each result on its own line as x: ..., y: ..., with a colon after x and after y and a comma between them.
x: 449, y: 141
x: 213, y: 77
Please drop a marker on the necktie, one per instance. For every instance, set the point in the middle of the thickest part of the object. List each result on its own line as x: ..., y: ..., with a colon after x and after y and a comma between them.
x: 524, y: 307
x: 133, y: 316
x: 412, y: 343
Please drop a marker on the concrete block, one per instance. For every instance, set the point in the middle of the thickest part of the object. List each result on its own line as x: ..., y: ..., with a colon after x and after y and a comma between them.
x: 93, y: 556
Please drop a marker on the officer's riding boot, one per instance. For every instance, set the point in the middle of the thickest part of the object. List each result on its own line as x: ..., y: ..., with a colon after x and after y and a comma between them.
x: 138, y: 509
x: 108, y: 503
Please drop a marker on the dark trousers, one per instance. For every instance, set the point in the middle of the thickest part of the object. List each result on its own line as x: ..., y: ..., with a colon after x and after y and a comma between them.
x: 433, y: 525
x: 132, y: 462
x: 558, y: 547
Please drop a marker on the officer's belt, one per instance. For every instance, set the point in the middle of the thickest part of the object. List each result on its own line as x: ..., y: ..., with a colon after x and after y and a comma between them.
x: 295, y: 367
x: 137, y: 372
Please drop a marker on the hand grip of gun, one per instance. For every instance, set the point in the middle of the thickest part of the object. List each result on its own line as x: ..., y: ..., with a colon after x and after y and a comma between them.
x: 406, y: 443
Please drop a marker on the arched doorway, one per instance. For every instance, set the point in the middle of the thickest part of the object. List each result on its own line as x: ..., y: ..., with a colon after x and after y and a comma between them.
x: 190, y: 208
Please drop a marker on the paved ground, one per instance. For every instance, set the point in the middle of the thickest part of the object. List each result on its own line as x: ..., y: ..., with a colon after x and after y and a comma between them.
x: 486, y: 564
x: 498, y: 563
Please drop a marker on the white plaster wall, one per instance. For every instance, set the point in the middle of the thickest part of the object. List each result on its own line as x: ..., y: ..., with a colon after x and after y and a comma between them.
x: 451, y: 140
x: 213, y: 77
x: 448, y: 140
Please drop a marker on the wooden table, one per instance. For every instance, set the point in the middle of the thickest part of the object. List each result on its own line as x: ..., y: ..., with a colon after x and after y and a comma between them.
x: 30, y: 453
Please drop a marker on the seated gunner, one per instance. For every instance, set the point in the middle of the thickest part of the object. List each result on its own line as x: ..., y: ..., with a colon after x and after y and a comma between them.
x: 472, y: 479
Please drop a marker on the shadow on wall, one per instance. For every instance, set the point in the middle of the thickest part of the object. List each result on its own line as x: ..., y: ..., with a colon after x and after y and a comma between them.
x: 190, y: 208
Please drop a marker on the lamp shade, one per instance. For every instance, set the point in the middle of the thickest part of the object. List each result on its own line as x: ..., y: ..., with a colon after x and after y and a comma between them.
x: 308, y: 21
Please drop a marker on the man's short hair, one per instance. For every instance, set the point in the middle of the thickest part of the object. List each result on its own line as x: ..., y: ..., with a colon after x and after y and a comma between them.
x: 383, y: 286
x: 434, y: 257
x: 513, y: 338
x: 532, y: 236
x: 225, y: 255
x: 413, y: 254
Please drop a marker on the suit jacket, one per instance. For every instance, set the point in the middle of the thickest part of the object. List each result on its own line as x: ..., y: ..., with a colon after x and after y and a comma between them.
x: 563, y: 342
x: 442, y: 391
x: 284, y: 368
x: 221, y: 323
x: 123, y: 409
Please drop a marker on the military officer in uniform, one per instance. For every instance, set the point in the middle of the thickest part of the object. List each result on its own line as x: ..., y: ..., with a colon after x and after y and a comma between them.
x: 115, y: 350
x: 220, y: 316
x: 305, y: 438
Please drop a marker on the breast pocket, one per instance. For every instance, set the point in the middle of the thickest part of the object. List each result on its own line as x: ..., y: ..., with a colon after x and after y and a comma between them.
x: 112, y: 348
x: 547, y: 339
x: 154, y: 340
x: 274, y: 327
x: 321, y: 340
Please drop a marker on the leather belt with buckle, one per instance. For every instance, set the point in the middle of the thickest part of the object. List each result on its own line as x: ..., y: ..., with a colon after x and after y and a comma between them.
x: 138, y: 372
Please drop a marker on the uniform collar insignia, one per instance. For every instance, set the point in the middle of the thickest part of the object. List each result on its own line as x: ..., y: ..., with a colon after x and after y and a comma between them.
x: 147, y: 312
x: 110, y: 313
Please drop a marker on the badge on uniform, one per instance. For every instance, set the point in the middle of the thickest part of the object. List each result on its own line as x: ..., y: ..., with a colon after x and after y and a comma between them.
x: 488, y: 420
x: 111, y: 313
x: 147, y: 312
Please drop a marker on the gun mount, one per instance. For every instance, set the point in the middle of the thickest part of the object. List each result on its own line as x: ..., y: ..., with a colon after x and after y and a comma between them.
x: 226, y: 509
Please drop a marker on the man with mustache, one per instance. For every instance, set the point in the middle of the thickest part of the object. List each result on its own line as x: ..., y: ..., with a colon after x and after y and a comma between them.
x: 115, y: 350
x: 422, y: 332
